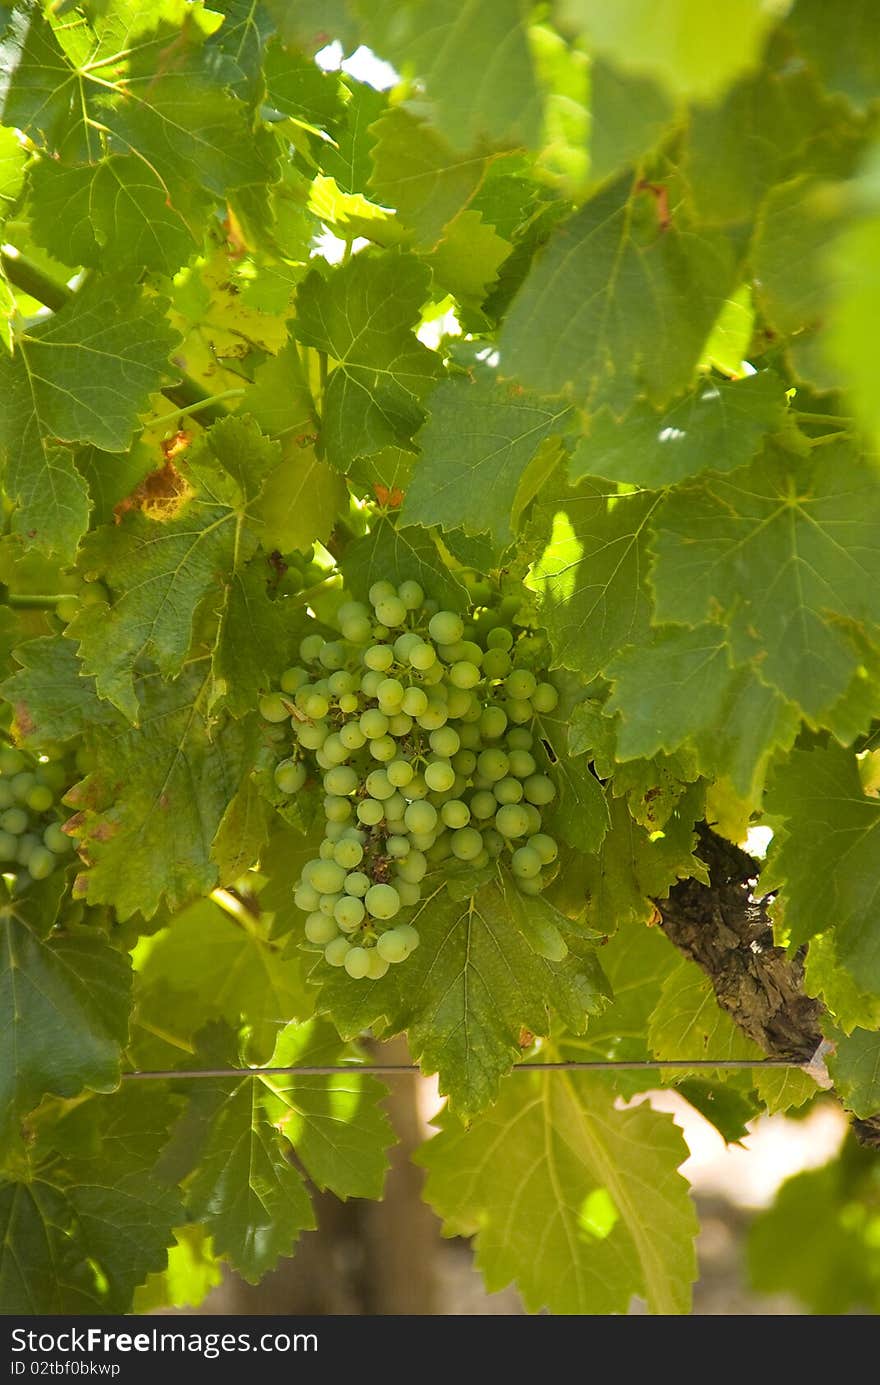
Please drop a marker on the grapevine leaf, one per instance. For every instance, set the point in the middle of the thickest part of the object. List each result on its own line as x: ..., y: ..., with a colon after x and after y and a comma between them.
x: 50, y: 698
x: 783, y: 547
x: 610, y: 301
x: 417, y: 172
x: 689, y: 1023
x: 844, y: 55
x: 590, y: 576
x: 252, y: 646
x: 362, y: 316
x: 350, y: 163
x: 398, y: 554
x: 854, y: 1066
x: 629, y: 115
x: 472, y: 985
x: 579, y: 1203
x: 300, y: 500
x: 718, y: 426
x: 298, y: 88
x: 479, y: 438
x: 42, y: 1270
x: 468, y: 258
x: 82, y: 375
x: 692, y: 50
x: 579, y: 815
x: 669, y: 689
x: 64, y: 1001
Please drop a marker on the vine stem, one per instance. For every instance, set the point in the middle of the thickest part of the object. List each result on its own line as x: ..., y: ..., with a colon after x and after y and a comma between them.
x: 32, y: 280
x: 805, y: 416
x: 197, y: 407
x: 390, y: 1069
x: 33, y: 601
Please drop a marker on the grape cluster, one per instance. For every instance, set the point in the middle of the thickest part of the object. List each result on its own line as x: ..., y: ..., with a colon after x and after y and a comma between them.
x: 421, y: 728
x: 32, y: 842
x: 300, y: 571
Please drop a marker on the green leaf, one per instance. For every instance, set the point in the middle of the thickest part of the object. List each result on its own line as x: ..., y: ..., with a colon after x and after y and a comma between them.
x: 83, y: 375
x: 228, y: 970
x: 613, y: 301
x: 844, y: 55
x: 161, y: 570
x: 362, y: 316
x: 298, y: 88
x: 693, y: 50
x: 669, y: 689
x: 479, y: 438
x: 417, y: 172
x: 51, y: 700
x: 854, y: 1066
x: 300, y: 500
x: 475, y: 63
x: 64, y: 1001
x: 42, y: 1270
x: 783, y: 1089
x: 718, y: 426
x: 112, y: 214
x: 689, y: 1023
x: 782, y: 548
x: 252, y: 645
x: 473, y: 983
x: 829, y: 857
x: 579, y: 1203
x: 579, y: 814
x: 335, y: 1124
x: 629, y: 115
x: 753, y: 722
x: 349, y: 163
x: 590, y: 576
x: 852, y: 269
x: 149, y: 810
x: 399, y: 554
x: 467, y: 260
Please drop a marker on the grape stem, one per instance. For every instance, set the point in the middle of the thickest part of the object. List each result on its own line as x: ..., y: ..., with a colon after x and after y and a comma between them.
x: 196, y: 407
x: 33, y: 601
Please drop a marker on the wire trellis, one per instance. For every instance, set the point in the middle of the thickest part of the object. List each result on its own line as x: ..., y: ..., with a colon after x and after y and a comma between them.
x: 394, y: 1069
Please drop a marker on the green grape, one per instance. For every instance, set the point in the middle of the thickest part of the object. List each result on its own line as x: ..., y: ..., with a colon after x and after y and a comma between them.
x: 533, y: 816
x: 383, y: 748
x: 525, y: 862
x: 336, y: 809
x: 496, y: 664
x: 56, y: 839
x: 273, y: 708
x: 374, y: 723
x: 499, y: 638
x: 351, y: 735
x: 6, y: 798
x: 42, y: 862
x: 415, y: 702
x: 320, y: 929
x: 348, y: 853
x: 512, y: 820
x: 410, y: 937
x: 341, y: 780
x: 422, y: 656
x: 419, y: 817
x: 492, y: 765
x: 14, y: 820
x: 466, y: 843
x: 439, y: 776
x: 413, y: 869
x: 455, y: 814
x: 416, y: 788
x: 423, y: 841
x: 379, y: 657
x: 493, y: 842
x: 8, y: 846
x: 522, y: 764
x: 336, y: 952
x: 391, y: 611
x: 327, y: 903
x: 411, y: 595
x: 11, y: 761
x: 316, y: 706
x: 399, y: 772
x: 520, y: 684
x: 310, y: 648
x: 518, y: 711
x: 545, y: 847
x: 311, y: 737
x: 370, y: 682
x: 440, y: 851
x: 370, y: 812
x: 397, y: 845
x: 357, y: 884
x: 349, y: 912
x: 40, y: 798
x: 460, y: 704
x: 464, y: 674
x: 292, y: 680
x: 400, y: 725
x: 470, y: 737
x: 530, y: 885
x: 290, y: 775
x: 341, y: 683
x: 493, y: 722
x: 392, y: 946
x: 379, y: 591
x: 539, y: 789
x: 333, y: 655
x: 445, y: 627
x: 327, y: 877
x: 444, y: 741
x: 382, y: 901
x: 545, y: 698
x: 433, y: 677
x: 352, y: 610
x: 378, y: 785
x: 404, y: 643
x: 395, y: 807
x: 27, y: 845
x: 433, y: 717
x: 349, y: 702
x: 409, y: 891
x: 464, y: 762
x: 306, y: 897
x: 378, y: 965
x: 484, y: 804
x: 357, y: 630
x: 328, y: 845
x: 390, y: 694
x: 508, y: 790
x: 519, y: 739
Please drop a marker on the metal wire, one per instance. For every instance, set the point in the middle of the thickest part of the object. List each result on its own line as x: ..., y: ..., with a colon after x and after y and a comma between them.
x: 392, y: 1069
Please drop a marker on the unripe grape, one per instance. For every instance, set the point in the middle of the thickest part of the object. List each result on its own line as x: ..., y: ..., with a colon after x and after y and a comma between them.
x: 6, y: 798
x: 539, y: 789
x: 433, y: 676
x: 358, y: 630
x: 374, y: 723
x: 545, y: 847
x: 311, y: 737
x: 383, y: 748
x: 444, y: 741
x: 12, y: 761
x: 492, y: 765
x: 525, y: 862
x: 464, y: 674
x: 409, y: 891
x: 290, y: 775
x: 413, y: 868
x: 379, y: 591
x: 530, y: 885
x: 466, y: 843
x: 508, y: 790
x: 399, y: 772
x: 333, y: 654
x: 273, y: 708
x: 518, y: 711
x: 499, y: 638
x: 470, y: 737
x: 415, y: 702
x: 357, y: 962
x: 349, y: 912
x: 391, y: 611
x: 455, y: 814
x: 8, y: 846
x: 328, y: 845
x: 496, y: 664
x: 390, y: 694
x: 14, y: 820
x: 379, y: 657
x: 336, y: 809
x: 484, y: 804
x: 519, y: 739
x: 416, y: 788
x: 351, y: 610
x: 545, y: 698
x: 351, y: 736
x: 292, y: 679
x: 512, y: 820
x: 377, y: 967
x: 378, y: 786
x: 357, y: 883
x: 419, y: 817
x: 336, y: 951
x: 341, y: 780
x: 395, y: 807
x: 423, y: 841
x: 410, y: 937
x: 439, y: 776
x: 306, y: 897
x: 522, y: 764
x: 41, y: 862
x: 399, y: 725
x: 397, y: 845
x: 370, y: 682
x: 348, y: 853
x: 370, y: 812
x: 422, y: 656
x: 440, y: 851
x: 382, y: 901
x: 56, y: 839
x: 316, y: 706
x: 533, y: 816
x: 493, y: 722
x: 493, y: 842
x: 349, y: 702
x: 392, y: 946
x: 40, y: 798
x: 411, y: 595
x: 327, y: 877
x: 445, y: 627
x: 464, y: 762
x: 341, y: 683
x: 327, y: 903
x: 320, y: 929
x: 310, y: 648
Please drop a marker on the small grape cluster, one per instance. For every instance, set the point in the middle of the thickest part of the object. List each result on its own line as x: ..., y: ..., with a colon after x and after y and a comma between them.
x: 421, y: 727
x: 32, y: 843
